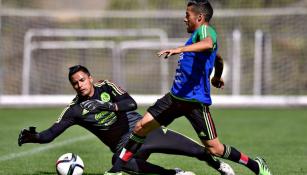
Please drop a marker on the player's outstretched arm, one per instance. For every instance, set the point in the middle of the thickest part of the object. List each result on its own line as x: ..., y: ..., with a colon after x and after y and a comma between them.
x: 200, y: 46
x: 170, y: 52
x: 217, y: 80
x: 28, y: 136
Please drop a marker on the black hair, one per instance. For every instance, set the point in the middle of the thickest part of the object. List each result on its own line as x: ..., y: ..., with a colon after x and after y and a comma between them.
x: 202, y: 6
x: 77, y: 68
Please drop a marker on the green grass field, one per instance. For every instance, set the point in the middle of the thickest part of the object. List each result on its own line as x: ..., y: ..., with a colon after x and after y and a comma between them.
x: 278, y: 135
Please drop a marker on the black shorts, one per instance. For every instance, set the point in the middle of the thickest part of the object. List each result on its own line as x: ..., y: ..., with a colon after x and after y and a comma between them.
x: 168, y: 108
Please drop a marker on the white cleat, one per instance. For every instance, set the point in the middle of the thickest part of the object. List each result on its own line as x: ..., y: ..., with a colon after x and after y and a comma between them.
x: 226, y: 169
x: 181, y: 172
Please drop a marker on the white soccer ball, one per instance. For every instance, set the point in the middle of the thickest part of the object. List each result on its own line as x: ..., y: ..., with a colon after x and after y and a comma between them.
x: 69, y: 164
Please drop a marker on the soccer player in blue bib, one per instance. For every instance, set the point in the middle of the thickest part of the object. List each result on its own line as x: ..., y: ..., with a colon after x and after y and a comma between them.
x: 190, y: 93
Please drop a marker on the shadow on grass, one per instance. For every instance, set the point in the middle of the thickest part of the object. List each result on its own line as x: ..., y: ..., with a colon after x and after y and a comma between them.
x: 40, y: 173
x: 54, y: 173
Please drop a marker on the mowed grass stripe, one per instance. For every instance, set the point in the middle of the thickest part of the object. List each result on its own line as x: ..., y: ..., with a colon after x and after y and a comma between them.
x: 44, y: 148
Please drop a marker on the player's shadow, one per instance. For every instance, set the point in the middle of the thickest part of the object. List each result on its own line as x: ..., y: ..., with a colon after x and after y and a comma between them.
x: 54, y: 173
x: 41, y: 173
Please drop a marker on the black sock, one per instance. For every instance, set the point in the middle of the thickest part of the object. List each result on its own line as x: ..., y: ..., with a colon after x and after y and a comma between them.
x: 234, y: 155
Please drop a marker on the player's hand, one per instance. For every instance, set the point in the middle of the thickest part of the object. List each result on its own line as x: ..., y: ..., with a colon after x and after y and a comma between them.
x: 217, y: 82
x: 95, y: 106
x: 169, y: 52
x: 27, y: 136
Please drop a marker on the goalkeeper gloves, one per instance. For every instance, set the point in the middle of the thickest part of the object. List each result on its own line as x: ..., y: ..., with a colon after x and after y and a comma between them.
x: 28, y: 136
x: 95, y: 106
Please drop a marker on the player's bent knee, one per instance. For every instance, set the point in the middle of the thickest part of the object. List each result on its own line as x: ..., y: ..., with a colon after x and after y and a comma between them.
x: 138, y: 129
x: 145, y: 125
x: 141, y: 129
x: 214, y: 147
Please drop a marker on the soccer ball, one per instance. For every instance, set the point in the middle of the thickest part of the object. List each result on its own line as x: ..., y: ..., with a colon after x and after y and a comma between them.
x: 69, y: 164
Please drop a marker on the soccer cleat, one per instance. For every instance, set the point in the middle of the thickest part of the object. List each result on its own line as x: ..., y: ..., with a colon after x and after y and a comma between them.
x: 108, y: 173
x: 263, y: 167
x: 226, y: 169
x: 181, y: 172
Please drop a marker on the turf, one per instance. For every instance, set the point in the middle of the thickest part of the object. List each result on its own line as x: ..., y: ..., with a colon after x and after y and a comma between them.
x: 278, y: 135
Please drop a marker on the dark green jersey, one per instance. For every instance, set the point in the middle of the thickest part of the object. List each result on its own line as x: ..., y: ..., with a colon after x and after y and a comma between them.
x: 111, y: 128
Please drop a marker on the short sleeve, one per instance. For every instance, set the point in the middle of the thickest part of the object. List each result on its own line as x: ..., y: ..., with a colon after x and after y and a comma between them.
x: 203, y: 32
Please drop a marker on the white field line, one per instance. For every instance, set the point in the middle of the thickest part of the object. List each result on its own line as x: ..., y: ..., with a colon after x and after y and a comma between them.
x: 43, y: 148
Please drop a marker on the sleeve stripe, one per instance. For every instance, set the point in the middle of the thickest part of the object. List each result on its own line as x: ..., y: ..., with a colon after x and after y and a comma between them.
x: 74, y: 101
x: 116, y: 88
x: 99, y: 84
x: 203, y: 32
x: 62, y: 114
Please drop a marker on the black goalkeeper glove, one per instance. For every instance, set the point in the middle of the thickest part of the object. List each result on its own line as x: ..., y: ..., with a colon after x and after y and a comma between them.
x: 95, y: 106
x: 28, y: 136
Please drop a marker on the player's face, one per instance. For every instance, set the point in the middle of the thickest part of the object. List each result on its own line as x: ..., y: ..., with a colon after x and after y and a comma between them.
x: 83, y: 84
x: 191, y: 20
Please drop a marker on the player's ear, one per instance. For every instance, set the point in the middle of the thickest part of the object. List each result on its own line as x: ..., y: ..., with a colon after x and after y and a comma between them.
x: 201, y: 17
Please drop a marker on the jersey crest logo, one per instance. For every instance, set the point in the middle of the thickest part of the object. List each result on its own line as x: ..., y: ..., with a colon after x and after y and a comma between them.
x: 105, y: 97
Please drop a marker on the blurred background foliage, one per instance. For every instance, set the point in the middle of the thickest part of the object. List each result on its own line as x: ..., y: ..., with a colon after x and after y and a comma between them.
x: 288, y: 41
x: 147, y: 4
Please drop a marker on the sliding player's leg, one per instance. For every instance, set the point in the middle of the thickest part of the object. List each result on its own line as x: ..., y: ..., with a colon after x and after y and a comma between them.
x: 163, y: 140
x: 141, y: 166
